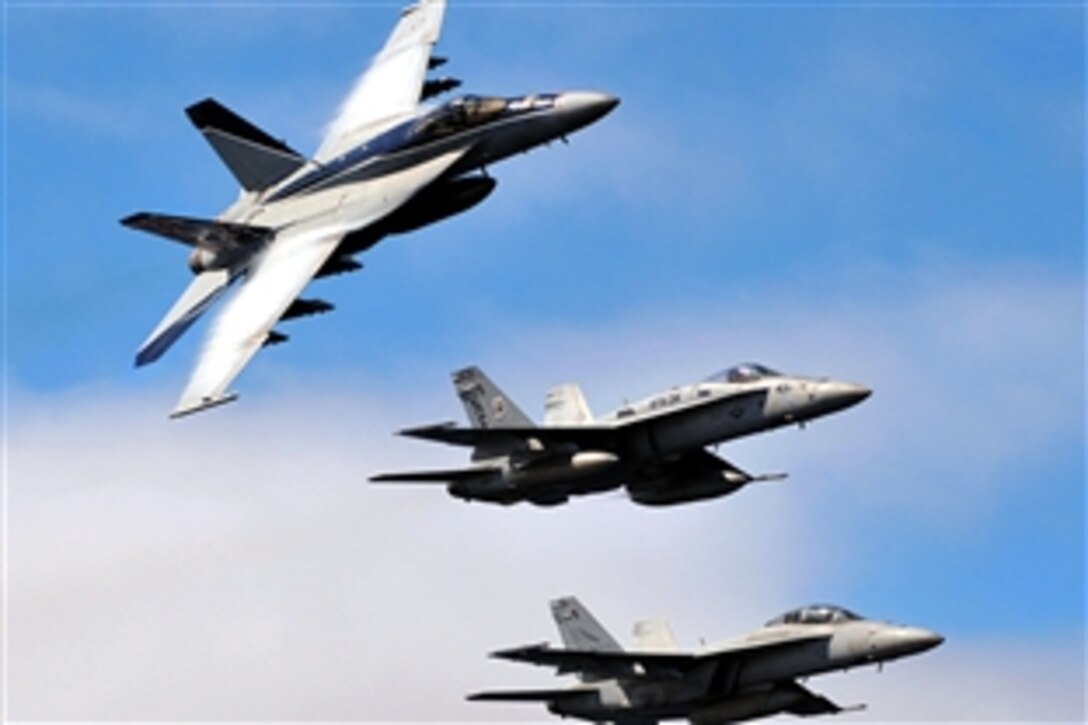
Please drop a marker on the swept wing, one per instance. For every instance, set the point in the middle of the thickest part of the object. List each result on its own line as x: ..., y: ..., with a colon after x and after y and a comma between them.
x: 390, y: 88
x: 651, y: 663
x: 588, y: 436
x: 278, y: 274
x: 596, y: 437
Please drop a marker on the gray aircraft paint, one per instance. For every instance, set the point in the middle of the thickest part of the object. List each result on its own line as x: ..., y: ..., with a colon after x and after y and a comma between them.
x: 748, y: 677
x: 655, y: 448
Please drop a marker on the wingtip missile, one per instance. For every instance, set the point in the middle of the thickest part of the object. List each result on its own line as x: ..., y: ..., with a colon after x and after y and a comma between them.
x: 185, y: 409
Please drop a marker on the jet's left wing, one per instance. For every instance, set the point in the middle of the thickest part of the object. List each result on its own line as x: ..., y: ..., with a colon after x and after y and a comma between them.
x: 391, y: 86
x: 649, y: 662
x: 596, y: 437
x: 614, y: 663
x: 279, y: 273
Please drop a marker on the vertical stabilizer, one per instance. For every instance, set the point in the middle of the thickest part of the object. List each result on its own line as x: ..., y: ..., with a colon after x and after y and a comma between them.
x: 580, y: 629
x: 256, y: 159
x: 485, y: 404
x: 654, y: 635
x: 565, y: 405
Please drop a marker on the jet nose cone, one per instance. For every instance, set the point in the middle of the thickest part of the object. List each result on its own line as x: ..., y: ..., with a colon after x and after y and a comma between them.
x: 585, y: 107
x: 838, y: 395
x: 925, y: 640
x: 903, y: 641
x: 854, y: 393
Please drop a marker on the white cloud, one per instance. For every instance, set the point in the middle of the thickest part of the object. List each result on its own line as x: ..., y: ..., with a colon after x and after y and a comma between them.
x: 243, y: 568
x: 236, y: 565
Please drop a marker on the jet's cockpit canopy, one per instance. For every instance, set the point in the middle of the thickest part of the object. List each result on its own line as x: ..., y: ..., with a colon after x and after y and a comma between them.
x: 465, y: 112
x: 743, y: 373
x: 457, y: 115
x: 815, y: 614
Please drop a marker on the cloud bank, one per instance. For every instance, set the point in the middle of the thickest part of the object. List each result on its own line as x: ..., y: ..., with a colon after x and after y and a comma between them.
x: 237, y: 565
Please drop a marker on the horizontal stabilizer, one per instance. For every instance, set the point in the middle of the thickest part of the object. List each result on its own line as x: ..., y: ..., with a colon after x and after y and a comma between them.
x: 198, y: 297
x: 256, y: 159
x: 204, y: 233
x: 528, y: 695
x: 458, y: 474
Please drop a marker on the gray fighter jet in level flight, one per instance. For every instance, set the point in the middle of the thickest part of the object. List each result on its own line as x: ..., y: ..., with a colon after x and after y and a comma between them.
x: 656, y: 448
x: 387, y: 165
x: 748, y: 677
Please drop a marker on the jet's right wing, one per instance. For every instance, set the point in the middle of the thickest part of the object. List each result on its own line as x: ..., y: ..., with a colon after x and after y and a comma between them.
x: 391, y: 86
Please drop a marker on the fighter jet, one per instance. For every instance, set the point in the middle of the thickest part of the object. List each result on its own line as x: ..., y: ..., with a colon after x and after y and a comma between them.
x: 752, y: 676
x: 655, y: 448
x: 387, y: 165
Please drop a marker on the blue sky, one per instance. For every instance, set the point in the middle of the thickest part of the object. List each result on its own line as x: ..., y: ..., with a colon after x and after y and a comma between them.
x: 893, y: 195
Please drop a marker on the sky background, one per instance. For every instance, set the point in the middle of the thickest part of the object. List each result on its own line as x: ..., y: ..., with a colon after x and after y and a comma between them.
x: 888, y: 194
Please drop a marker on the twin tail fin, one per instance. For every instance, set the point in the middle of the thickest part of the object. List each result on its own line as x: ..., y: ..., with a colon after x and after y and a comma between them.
x: 256, y: 159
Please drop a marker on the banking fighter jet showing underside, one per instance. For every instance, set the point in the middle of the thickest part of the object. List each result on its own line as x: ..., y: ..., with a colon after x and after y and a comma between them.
x: 387, y: 165
x: 752, y: 676
x: 655, y: 448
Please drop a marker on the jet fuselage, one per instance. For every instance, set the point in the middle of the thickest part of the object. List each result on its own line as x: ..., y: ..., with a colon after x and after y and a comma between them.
x: 653, y: 433
x: 755, y: 689
x: 712, y: 412
x: 491, y: 129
